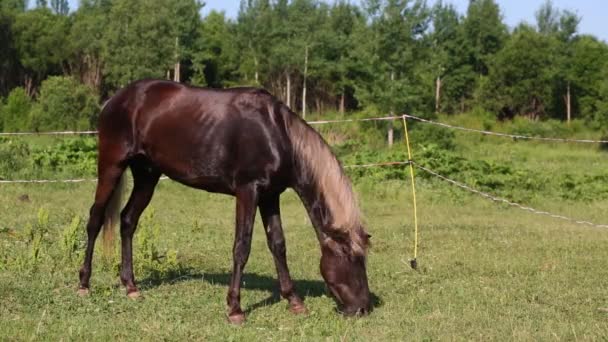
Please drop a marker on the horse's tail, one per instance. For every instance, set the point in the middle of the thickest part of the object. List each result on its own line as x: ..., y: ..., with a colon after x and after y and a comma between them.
x: 112, y: 216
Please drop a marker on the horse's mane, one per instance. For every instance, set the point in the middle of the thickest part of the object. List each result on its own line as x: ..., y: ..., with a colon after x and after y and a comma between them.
x: 325, y: 171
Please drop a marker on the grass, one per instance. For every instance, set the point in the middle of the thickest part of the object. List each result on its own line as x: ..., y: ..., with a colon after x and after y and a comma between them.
x: 487, y: 271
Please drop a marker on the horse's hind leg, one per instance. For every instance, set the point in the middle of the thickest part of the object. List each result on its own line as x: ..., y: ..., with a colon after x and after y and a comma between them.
x: 271, y: 217
x: 108, y: 179
x: 144, y: 182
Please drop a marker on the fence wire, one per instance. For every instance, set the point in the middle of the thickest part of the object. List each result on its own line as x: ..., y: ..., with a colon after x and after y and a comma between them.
x: 506, y: 201
x: 505, y: 135
x: 81, y: 180
x: 385, y: 118
x: 418, y: 166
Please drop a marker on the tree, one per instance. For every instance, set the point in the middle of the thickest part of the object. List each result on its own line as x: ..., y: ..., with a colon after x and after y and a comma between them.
x: 41, y: 43
x: 485, y: 33
x: 396, y: 41
x: 339, y: 61
x: 600, y: 116
x: 10, y: 68
x: 216, y: 59
x: 563, y: 25
x: 138, y: 42
x: 86, y: 60
x: 185, y: 21
x: 61, y: 7
x: 449, y: 60
x: 522, y: 76
x: 547, y: 18
x: 398, y: 28
x: 583, y: 70
x: 255, y: 24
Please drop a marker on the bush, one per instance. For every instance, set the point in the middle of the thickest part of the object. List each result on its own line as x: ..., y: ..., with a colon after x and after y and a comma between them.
x: 425, y: 135
x: 14, y: 114
x: 14, y: 157
x: 64, y: 104
x: 75, y: 156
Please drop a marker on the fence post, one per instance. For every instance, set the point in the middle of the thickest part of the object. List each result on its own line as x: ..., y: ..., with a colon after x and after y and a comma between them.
x: 413, y: 262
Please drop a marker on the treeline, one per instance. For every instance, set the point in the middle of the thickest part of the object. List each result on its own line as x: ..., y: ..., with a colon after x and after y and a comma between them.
x: 379, y: 55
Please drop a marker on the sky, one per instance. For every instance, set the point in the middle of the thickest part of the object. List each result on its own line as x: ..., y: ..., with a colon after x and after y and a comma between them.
x: 593, y: 12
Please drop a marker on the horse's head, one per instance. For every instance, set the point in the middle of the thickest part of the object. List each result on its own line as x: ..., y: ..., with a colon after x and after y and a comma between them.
x: 343, y: 267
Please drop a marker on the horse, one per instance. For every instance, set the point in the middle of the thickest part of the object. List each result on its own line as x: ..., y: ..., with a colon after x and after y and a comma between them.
x: 241, y: 142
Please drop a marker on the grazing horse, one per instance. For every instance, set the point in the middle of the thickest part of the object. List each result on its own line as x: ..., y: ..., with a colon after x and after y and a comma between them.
x: 241, y: 142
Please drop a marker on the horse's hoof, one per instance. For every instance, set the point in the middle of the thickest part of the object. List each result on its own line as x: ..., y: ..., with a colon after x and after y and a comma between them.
x: 237, y: 319
x: 83, y: 292
x: 135, y: 295
x: 298, y: 309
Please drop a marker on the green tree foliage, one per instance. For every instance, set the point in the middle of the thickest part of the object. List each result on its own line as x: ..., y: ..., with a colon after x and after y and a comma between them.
x: 14, y: 116
x: 522, y: 77
x: 61, y: 7
x: 376, y: 55
x: 449, y: 65
x: 485, y: 33
x: 215, y: 61
x: 396, y: 45
x: 64, y: 103
x: 10, y: 68
x: 86, y: 59
x: 138, y: 41
x: 41, y: 40
x: 600, y: 116
x: 583, y: 71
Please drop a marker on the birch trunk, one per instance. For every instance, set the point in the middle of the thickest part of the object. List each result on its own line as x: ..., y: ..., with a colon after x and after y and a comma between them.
x: 568, y: 104
x: 288, y: 89
x: 304, y: 83
x: 438, y: 94
x: 177, y: 68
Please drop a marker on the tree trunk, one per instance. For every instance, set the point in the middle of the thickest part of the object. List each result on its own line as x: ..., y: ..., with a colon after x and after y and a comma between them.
x: 438, y: 95
x: 568, y: 104
x: 255, y: 63
x: 288, y: 89
x: 304, y: 83
x: 391, y: 133
x: 29, y: 85
x: 342, y: 102
x: 177, y: 68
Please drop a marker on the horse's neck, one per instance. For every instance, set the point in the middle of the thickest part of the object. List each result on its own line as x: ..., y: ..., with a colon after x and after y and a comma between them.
x: 318, y: 211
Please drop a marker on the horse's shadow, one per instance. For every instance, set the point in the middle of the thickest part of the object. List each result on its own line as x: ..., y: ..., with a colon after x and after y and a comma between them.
x: 251, y: 281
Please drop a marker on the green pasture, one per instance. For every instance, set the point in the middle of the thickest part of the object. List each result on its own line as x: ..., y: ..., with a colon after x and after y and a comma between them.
x: 487, y: 271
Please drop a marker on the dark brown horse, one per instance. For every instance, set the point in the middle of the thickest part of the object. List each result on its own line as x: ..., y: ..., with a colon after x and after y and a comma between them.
x: 241, y: 142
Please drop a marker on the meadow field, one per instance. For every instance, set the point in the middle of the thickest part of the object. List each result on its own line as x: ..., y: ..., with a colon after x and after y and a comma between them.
x: 486, y: 271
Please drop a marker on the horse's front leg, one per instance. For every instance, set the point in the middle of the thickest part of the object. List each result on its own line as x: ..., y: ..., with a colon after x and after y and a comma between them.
x: 246, y: 202
x: 271, y: 217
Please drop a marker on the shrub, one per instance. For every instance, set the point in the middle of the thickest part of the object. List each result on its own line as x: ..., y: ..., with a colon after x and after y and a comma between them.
x: 76, y: 156
x: 64, y: 104
x: 424, y: 135
x: 14, y: 157
x: 14, y: 114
